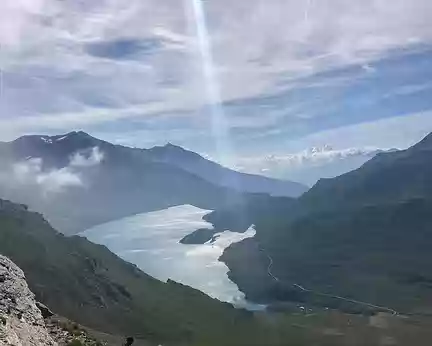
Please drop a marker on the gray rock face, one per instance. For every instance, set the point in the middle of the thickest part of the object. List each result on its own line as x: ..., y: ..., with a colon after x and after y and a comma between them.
x: 21, y: 322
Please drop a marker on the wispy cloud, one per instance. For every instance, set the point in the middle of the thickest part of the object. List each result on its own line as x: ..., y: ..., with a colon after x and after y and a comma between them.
x: 68, y: 37
x: 409, y: 89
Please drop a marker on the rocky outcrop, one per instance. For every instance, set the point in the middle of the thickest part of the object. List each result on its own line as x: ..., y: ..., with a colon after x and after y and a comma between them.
x: 21, y: 321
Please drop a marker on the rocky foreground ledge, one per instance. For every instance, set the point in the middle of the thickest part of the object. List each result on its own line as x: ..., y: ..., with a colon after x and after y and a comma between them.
x: 25, y: 322
x: 21, y: 321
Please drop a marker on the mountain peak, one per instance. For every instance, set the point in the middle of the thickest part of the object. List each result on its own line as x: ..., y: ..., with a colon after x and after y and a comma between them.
x: 424, y: 144
x: 79, y: 133
x: 54, y: 150
x: 170, y: 146
x: 74, y: 135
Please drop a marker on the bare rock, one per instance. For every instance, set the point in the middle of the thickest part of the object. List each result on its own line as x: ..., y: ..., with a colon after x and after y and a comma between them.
x: 21, y: 321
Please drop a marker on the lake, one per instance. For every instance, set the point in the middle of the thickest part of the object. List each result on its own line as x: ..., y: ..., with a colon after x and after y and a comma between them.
x: 151, y: 241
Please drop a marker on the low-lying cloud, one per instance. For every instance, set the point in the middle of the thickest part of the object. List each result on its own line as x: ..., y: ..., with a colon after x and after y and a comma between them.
x: 314, y: 156
x: 311, y: 164
x: 319, y: 155
x: 31, y: 174
x: 80, y: 160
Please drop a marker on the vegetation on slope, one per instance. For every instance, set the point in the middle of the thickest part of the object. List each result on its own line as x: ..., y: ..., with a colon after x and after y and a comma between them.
x: 364, y: 235
x: 90, y: 285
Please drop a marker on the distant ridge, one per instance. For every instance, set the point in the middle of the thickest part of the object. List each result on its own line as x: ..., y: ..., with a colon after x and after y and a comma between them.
x: 96, y: 181
x: 365, y: 235
x: 219, y: 175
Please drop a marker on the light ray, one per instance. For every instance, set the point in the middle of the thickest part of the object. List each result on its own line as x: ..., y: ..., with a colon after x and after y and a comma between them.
x: 306, y: 13
x: 213, y: 92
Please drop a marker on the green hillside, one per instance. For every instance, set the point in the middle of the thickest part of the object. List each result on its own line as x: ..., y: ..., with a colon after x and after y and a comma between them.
x: 365, y: 236
x: 89, y: 284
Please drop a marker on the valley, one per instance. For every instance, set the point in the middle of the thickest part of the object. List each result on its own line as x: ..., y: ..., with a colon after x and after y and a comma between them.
x: 349, y: 256
x: 215, y: 173
x: 152, y: 242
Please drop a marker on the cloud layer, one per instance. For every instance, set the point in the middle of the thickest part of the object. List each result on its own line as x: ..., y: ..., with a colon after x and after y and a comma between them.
x: 130, y: 54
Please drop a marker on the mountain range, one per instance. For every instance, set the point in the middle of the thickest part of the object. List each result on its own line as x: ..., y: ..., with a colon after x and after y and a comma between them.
x: 354, y: 246
x: 78, y: 181
x: 363, y: 236
x: 222, y: 176
x: 312, y: 164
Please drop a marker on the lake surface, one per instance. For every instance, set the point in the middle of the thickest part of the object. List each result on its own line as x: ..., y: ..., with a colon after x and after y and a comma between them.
x: 151, y: 241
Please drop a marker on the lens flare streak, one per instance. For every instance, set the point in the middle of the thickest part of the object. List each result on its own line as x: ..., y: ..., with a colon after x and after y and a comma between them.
x: 218, y: 121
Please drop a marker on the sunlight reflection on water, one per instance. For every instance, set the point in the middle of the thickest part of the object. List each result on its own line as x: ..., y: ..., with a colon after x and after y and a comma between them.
x: 151, y: 241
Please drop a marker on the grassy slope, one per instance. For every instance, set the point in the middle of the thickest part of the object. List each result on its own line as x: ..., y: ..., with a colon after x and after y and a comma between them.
x: 378, y: 254
x: 365, y: 235
x: 87, y: 283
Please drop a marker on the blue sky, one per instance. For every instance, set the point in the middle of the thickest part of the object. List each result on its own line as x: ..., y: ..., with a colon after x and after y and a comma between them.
x: 292, y: 74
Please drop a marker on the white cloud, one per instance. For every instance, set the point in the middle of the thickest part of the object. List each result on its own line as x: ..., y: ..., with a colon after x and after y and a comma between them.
x: 56, y: 180
x: 80, y: 160
x: 23, y: 170
x: 308, y: 165
x: 30, y: 174
x: 10, y: 128
x: 311, y: 156
x: 177, y: 40
x: 280, y: 165
x: 351, y: 146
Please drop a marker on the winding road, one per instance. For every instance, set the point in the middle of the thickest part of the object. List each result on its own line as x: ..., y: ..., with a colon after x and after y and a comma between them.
x: 275, y: 278
x: 269, y: 266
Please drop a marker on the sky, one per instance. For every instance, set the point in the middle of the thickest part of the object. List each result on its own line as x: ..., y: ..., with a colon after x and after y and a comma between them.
x: 302, y: 84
